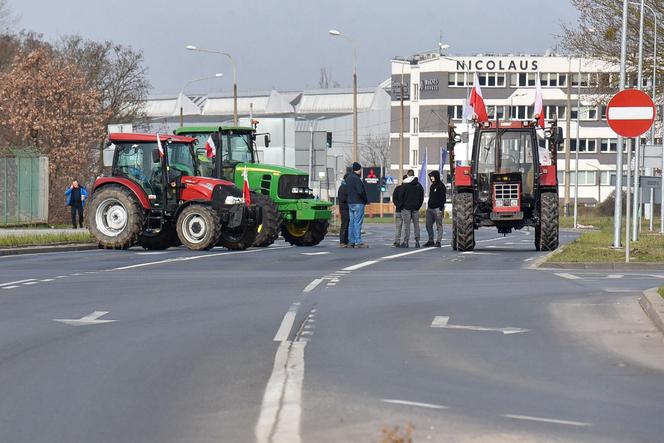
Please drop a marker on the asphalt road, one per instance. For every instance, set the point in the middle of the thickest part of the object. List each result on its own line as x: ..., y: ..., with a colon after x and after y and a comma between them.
x: 325, y: 345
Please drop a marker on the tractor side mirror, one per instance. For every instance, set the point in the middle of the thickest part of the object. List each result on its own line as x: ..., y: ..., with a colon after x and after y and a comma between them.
x: 267, y: 140
x: 156, y: 158
x: 108, y: 154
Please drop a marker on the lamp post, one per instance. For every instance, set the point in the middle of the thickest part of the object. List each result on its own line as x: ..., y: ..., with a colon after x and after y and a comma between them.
x: 227, y: 55
x: 335, y: 33
x: 217, y: 75
x: 617, y: 209
x: 576, y: 150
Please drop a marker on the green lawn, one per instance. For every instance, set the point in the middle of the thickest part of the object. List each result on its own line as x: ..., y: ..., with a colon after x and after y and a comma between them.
x: 661, y: 291
x: 12, y: 241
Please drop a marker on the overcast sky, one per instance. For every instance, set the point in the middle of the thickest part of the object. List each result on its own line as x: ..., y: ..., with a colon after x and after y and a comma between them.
x: 283, y: 44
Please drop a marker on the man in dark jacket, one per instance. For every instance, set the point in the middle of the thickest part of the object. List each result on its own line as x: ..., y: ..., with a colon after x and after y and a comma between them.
x: 435, y: 208
x: 76, y: 196
x: 413, y: 197
x: 342, y: 198
x: 397, y: 200
x: 357, y: 198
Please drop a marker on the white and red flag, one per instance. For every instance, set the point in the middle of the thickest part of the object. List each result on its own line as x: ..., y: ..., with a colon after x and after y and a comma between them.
x: 246, y: 193
x: 210, y: 148
x: 477, y: 101
x: 539, y: 105
x: 160, y: 147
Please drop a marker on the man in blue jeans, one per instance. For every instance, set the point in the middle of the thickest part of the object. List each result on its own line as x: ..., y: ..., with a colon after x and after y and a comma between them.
x: 357, y: 198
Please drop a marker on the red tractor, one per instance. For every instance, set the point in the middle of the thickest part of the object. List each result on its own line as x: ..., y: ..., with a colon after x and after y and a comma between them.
x: 156, y: 198
x: 510, y: 182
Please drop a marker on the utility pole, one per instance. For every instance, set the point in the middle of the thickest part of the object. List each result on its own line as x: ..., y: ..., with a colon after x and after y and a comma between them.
x: 568, y: 138
x: 617, y: 210
x: 637, y: 164
x: 401, y: 129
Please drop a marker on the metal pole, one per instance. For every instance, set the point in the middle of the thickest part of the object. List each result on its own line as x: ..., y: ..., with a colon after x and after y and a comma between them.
x: 652, y: 207
x: 661, y: 195
x: 617, y: 210
x: 637, y: 165
x: 628, y: 226
x: 354, y: 103
x: 568, y: 136
x: 578, y: 145
x: 311, y: 154
x: 401, y: 130
x: 283, y: 150
x: 234, y: 97
x: 181, y: 115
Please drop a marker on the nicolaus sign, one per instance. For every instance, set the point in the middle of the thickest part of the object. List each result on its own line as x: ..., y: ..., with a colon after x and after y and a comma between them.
x: 496, y: 65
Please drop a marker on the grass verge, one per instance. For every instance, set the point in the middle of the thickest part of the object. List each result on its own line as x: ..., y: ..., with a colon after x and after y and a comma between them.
x: 13, y: 241
x: 661, y: 291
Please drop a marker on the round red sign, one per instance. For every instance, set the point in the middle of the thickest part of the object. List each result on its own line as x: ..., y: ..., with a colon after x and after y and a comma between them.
x: 630, y: 113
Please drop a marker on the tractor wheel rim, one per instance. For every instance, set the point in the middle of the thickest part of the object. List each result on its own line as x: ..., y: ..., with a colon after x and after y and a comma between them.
x: 297, y: 230
x: 195, y: 228
x: 111, y: 217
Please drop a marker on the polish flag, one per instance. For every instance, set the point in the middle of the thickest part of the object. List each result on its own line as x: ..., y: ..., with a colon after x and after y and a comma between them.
x: 160, y: 147
x: 477, y: 101
x: 245, y: 188
x: 539, y: 106
x: 210, y: 148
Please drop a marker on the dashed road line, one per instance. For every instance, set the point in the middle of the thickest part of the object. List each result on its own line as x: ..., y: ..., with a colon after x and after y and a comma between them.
x: 28, y: 283
x: 11, y: 287
x: 546, y: 420
x: 311, y: 286
x: 567, y: 276
x: 287, y: 323
x: 17, y: 282
x: 413, y: 403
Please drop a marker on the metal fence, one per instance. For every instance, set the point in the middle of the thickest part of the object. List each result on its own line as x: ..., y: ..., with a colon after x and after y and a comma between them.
x: 23, y: 189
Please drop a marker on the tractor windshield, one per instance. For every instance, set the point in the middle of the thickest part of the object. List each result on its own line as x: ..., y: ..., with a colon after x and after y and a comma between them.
x: 505, y: 152
x: 180, y: 158
x: 237, y: 147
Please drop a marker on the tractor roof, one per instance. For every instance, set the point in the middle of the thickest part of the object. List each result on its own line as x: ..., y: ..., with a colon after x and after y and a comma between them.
x: 132, y: 137
x: 508, y: 124
x: 208, y: 129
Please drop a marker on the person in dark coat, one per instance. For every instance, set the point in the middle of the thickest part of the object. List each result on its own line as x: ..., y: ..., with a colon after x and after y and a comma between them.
x: 413, y: 197
x: 76, y: 196
x: 397, y: 201
x: 357, y: 199
x: 435, y: 209
x: 342, y: 198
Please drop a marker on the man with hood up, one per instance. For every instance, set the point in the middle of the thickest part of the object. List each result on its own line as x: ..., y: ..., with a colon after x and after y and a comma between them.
x: 397, y: 200
x: 413, y: 197
x: 435, y: 208
x: 344, y: 212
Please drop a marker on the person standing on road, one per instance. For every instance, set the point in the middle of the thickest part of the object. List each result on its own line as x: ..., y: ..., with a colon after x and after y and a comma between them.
x: 76, y: 196
x: 413, y: 197
x: 357, y: 198
x: 342, y: 200
x: 397, y: 201
x: 435, y: 209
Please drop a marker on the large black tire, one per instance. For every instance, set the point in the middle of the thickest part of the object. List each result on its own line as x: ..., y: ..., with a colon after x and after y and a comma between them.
x: 305, y: 233
x: 240, y: 238
x: 269, y: 229
x: 166, y: 238
x: 549, y: 219
x: 198, y: 227
x: 115, y: 217
x: 454, y: 234
x: 464, y: 221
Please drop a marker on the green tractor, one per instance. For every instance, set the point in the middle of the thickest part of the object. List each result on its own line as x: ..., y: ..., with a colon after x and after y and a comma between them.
x: 288, y: 205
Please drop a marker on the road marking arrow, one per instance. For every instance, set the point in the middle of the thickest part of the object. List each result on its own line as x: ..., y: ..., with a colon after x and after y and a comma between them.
x: 440, y: 321
x: 90, y: 319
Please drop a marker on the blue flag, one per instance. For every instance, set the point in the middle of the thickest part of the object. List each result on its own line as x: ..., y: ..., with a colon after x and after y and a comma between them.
x: 423, y: 172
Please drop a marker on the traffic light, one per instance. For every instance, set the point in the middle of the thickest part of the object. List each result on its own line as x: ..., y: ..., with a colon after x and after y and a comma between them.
x: 328, y: 141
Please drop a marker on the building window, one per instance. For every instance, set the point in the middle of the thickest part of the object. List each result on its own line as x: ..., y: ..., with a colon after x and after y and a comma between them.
x: 558, y: 111
x: 491, y: 112
x: 586, y: 178
x: 608, y: 145
x: 561, y: 177
x: 602, y: 112
x: 458, y: 80
x: 521, y: 112
x: 553, y: 79
x: 416, y: 91
x: 585, y: 145
x: 523, y: 79
x: 491, y: 79
x: 588, y: 113
x: 416, y: 125
x: 455, y: 112
x: 415, y: 157
x: 605, y: 178
x: 588, y: 80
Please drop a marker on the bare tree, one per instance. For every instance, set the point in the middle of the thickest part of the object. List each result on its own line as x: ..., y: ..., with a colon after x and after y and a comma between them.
x: 375, y: 150
x: 7, y: 18
x: 325, y: 80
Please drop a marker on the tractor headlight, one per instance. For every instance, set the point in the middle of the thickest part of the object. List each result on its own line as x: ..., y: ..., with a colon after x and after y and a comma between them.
x: 230, y: 200
x: 298, y: 190
x: 499, y: 203
x: 514, y: 202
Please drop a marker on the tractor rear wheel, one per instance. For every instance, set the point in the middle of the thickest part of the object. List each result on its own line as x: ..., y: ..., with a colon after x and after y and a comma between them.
x: 115, y: 217
x: 454, y: 234
x: 166, y: 238
x: 268, y: 230
x: 240, y: 238
x: 463, y: 220
x: 547, y: 237
x: 198, y: 227
x: 305, y: 233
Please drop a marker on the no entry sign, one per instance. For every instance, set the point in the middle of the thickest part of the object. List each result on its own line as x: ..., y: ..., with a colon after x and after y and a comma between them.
x: 630, y: 113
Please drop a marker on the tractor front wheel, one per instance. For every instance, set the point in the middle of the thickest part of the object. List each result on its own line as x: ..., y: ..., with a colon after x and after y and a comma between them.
x: 464, y: 221
x: 164, y: 239
x: 198, y: 227
x: 240, y: 238
x: 546, y: 234
x: 305, y: 233
x: 268, y: 230
x: 115, y: 217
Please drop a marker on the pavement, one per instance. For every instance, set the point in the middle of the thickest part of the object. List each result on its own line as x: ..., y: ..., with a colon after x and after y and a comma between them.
x: 324, y: 344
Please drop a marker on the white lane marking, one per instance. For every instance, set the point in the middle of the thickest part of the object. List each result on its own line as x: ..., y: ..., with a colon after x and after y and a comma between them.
x: 547, y: 420
x: 348, y: 272
x: 479, y: 253
x: 152, y: 253
x: 60, y: 276
x: 631, y: 113
x: 17, y: 282
x: 620, y: 290
x: 90, y: 319
x: 360, y: 265
x: 281, y: 410
x: 311, y: 286
x: 11, y: 287
x: 529, y: 259
x: 567, y: 276
x: 28, y: 283
x: 615, y: 276
x: 413, y: 403
x: 331, y: 284
x: 656, y: 276
x: 77, y: 274
x: 315, y: 253
x: 441, y: 321
x: 196, y: 257
x: 287, y: 323
x: 46, y: 280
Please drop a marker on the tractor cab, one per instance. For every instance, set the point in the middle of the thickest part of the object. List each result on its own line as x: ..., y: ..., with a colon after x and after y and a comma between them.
x: 229, y: 148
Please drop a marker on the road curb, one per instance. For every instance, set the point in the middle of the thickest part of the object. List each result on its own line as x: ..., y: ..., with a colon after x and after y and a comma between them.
x: 603, y: 266
x: 47, y: 248
x: 653, y: 305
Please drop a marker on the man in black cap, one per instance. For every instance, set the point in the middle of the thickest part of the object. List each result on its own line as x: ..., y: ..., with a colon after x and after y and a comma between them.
x: 435, y: 209
x: 342, y: 198
x: 413, y: 197
x: 357, y: 198
x: 397, y: 201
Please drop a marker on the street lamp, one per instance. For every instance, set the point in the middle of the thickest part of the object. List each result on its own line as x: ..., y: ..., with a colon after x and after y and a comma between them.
x: 217, y: 75
x: 335, y: 33
x: 227, y: 55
